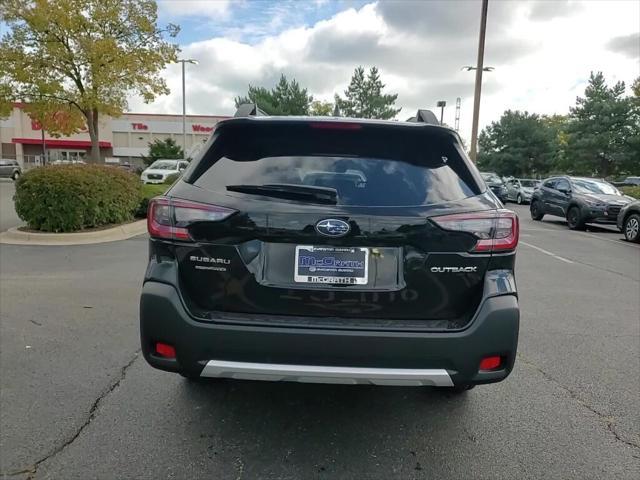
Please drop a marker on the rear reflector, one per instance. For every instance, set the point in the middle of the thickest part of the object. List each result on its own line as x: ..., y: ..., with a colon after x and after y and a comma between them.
x: 496, y: 230
x: 170, y: 218
x: 490, y: 363
x: 165, y: 350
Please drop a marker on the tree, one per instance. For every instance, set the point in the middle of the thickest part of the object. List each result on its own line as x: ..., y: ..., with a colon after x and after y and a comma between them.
x: 600, y: 130
x: 321, y: 109
x: 633, y: 140
x: 167, y: 148
x: 364, y: 97
x: 86, y: 55
x: 286, y: 98
x: 519, y: 144
x: 5, y: 102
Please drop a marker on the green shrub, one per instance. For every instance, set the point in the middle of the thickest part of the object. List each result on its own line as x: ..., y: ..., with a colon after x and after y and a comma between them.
x: 67, y: 198
x: 631, y: 191
x: 170, y: 180
x: 148, y: 192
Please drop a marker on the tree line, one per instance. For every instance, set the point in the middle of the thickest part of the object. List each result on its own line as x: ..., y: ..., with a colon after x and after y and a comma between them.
x: 599, y: 137
x: 363, y: 98
x: 72, y: 61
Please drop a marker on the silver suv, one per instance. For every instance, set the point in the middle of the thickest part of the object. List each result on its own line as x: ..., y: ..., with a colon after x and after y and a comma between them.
x: 10, y: 169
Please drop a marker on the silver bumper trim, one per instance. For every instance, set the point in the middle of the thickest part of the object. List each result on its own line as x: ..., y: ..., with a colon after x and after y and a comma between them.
x: 327, y: 374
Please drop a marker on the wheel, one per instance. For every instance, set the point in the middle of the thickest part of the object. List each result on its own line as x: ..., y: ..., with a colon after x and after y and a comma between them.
x: 459, y: 389
x: 16, y: 176
x: 574, y: 219
x: 519, y: 199
x: 536, y: 211
x: 631, y: 228
x: 196, y: 378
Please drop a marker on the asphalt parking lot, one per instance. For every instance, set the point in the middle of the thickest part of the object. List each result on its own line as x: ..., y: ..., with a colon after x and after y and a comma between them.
x: 79, y: 401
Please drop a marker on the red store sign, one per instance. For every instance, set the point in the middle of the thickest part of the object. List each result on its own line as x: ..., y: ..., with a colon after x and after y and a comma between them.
x: 201, y: 128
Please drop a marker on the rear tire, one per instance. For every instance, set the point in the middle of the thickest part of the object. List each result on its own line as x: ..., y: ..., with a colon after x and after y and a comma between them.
x: 457, y: 389
x: 574, y: 219
x: 536, y: 211
x: 190, y: 376
x: 519, y: 199
x: 631, y: 228
x: 460, y: 389
x: 195, y: 378
x: 15, y: 176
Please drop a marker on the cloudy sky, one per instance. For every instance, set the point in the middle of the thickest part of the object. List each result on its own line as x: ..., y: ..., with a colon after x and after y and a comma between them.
x: 542, y: 51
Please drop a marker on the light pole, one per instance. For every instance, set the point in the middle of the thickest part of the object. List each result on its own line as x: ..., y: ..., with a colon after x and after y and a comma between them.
x: 479, y: 68
x: 184, y: 108
x: 441, y: 104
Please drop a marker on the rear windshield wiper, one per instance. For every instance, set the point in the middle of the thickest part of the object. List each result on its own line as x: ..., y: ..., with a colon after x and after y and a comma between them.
x: 289, y: 191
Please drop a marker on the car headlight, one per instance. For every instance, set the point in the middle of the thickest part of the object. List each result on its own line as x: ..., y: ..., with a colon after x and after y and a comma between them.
x: 595, y: 203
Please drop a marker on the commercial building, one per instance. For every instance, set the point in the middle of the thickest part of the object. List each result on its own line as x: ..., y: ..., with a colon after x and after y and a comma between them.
x: 124, y: 139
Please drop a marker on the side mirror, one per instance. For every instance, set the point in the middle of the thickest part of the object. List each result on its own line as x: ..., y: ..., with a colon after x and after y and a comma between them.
x: 566, y: 191
x: 181, y: 169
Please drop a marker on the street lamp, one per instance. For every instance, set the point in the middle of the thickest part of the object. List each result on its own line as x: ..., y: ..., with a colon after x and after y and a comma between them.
x: 441, y: 104
x: 479, y: 68
x: 184, y: 108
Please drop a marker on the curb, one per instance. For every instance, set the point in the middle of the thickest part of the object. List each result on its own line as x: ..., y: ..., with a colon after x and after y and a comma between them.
x: 13, y: 236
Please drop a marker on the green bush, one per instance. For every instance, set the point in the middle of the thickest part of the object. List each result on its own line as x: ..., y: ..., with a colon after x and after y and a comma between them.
x: 631, y: 191
x: 148, y: 192
x: 67, y: 198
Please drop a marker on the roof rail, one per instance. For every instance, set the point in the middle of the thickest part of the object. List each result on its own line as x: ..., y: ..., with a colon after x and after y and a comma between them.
x: 425, y: 116
x: 249, y: 109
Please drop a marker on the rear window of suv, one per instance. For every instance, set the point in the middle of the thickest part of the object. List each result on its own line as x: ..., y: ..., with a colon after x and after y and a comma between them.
x: 411, y: 171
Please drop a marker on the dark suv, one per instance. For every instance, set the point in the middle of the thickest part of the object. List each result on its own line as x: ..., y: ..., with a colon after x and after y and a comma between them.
x: 332, y: 251
x: 579, y: 200
x: 496, y: 184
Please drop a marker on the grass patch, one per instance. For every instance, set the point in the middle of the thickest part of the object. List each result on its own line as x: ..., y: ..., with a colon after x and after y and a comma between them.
x: 631, y: 191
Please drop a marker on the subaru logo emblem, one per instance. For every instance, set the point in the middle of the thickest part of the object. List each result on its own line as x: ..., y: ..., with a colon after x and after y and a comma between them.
x: 332, y: 227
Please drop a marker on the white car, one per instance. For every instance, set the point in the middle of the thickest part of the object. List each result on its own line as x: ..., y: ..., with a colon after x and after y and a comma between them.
x: 159, y: 170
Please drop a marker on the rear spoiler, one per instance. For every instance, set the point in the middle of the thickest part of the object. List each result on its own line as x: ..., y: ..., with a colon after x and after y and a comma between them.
x: 425, y: 116
x: 249, y: 109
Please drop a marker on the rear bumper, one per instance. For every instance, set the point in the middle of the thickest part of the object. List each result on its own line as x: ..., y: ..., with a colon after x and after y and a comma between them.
x: 325, y: 355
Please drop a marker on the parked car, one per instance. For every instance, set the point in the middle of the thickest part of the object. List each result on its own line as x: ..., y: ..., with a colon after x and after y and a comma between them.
x: 629, y: 221
x: 579, y: 200
x: 331, y: 251
x: 519, y: 190
x: 159, y: 170
x: 495, y: 183
x: 68, y: 162
x: 627, y: 182
x: 127, y: 167
x: 10, y: 169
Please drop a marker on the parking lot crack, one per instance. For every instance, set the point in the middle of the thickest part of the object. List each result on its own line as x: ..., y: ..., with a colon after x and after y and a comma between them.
x: 32, y: 469
x: 606, y: 419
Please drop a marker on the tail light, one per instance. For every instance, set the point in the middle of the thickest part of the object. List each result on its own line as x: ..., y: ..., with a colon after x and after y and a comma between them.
x: 496, y: 230
x: 170, y: 218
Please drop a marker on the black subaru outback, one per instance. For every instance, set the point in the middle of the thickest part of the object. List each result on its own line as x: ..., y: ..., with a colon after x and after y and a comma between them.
x: 331, y: 251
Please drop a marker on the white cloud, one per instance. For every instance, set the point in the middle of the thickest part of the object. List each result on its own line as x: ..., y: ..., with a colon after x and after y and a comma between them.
x: 215, y: 9
x: 542, y: 56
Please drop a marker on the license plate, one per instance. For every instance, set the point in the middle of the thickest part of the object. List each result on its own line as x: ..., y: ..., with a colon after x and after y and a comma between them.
x: 332, y: 265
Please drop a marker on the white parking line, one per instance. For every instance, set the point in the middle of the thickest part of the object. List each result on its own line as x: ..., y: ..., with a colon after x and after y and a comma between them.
x: 546, y: 252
